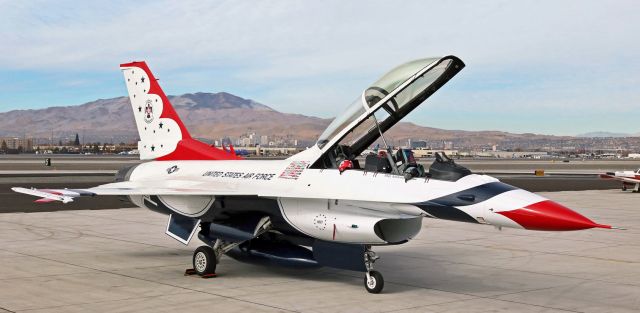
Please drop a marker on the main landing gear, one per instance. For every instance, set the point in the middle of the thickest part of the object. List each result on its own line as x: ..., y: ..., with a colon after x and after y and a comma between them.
x: 636, y: 187
x: 373, y: 280
x: 204, y: 261
x: 206, y: 258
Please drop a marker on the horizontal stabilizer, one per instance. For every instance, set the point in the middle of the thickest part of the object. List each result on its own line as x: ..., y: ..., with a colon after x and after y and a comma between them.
x: 44, y: 200
x: 46, y: 195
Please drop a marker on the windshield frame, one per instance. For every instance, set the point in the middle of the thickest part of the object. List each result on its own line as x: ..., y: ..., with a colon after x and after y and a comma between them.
x: 375, y: 107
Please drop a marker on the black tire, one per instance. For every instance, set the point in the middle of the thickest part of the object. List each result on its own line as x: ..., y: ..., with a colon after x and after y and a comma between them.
x: 624, y: 188
x: 376, y: 284
x: 204, y: 261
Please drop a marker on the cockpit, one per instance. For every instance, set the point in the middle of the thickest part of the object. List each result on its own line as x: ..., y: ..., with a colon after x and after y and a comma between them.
x: 376, y: 110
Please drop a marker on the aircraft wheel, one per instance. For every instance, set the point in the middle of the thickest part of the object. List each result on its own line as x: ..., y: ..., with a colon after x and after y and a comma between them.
x: 374, y: 282
x: 624, y: 187
x: 204, y: 261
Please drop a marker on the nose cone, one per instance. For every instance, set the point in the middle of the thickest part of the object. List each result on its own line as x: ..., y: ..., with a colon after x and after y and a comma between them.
x: 548, y: 215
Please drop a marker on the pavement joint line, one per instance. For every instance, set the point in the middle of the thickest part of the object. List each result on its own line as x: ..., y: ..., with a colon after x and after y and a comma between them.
x: 568, y: 253
x: 93, y: 235
x: 551, y: 237
x: 477, y: 298
x: 96, y: 302
x: 131, y: 241
x: 38, y: 276
x: 160, y: 283
x: 2, y: 308
x: 487, y: 298
x: 598, y: 258
x: 607, y: 244
x: 270, y: 284
x: 78, y: 213
x: 483, y: 297
x: 539, y: 273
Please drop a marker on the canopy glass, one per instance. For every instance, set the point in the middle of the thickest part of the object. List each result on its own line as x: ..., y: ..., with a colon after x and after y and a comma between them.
x: 388, y: 100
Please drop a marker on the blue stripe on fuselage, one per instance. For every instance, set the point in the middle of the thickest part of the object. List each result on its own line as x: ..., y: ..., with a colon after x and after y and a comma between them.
x: 473, y: 195
x: 445, y: 207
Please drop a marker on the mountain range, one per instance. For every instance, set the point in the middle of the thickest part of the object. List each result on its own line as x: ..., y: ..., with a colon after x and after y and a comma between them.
x: 214, y: 115
x: 602, y: 134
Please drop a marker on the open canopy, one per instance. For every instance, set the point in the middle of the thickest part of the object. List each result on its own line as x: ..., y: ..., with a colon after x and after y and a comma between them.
x: 385, y: 102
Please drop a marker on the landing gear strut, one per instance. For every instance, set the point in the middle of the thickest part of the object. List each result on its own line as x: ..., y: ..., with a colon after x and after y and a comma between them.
x: 206, y: 258
x: 373, y: 280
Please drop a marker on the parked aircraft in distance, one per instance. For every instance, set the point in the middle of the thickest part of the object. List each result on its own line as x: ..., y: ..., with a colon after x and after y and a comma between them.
x: 320, y: 206
x: 628, y: 179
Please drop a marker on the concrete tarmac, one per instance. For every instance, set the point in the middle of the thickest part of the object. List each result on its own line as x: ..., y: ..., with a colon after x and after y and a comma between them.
x: 121, y: 261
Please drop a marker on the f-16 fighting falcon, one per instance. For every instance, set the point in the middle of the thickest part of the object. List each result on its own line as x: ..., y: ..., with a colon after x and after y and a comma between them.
x: 324, y: 206
x: 628, y: 178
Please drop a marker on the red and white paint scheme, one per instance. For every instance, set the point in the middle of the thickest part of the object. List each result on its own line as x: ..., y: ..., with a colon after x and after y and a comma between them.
x: 628, y: 179
x: 163, y: 136
x: 326, y: 205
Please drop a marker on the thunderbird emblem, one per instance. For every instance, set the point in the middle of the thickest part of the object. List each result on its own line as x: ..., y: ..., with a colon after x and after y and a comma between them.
x: 148, y: 112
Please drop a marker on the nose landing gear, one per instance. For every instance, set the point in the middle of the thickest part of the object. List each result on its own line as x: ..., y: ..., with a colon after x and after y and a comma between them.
x: 373, y: 280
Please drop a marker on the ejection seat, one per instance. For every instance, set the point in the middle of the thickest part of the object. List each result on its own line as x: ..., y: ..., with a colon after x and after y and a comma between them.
x: 376, y: 163
x: 444, y: 168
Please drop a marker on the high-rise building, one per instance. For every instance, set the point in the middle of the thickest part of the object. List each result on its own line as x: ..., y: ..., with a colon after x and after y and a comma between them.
x: 14, y: 143
x: 415, y: 144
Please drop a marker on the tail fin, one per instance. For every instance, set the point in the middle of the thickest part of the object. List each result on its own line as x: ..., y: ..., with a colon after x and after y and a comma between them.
x: 163, y: 136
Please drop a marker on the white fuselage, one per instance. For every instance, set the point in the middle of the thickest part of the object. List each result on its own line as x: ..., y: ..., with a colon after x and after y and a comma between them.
x: 327, y: 204
x: 628, y: 174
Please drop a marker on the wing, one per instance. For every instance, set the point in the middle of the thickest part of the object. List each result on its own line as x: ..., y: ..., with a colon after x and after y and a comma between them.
x: 608, y: 175
x: 166, y: 187
x: 629, y: 180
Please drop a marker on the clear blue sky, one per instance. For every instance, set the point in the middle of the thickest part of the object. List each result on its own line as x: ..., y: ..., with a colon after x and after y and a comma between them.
x: 552, y: 67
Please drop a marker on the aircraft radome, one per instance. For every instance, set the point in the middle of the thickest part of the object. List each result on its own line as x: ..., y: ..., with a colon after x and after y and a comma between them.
x: 321, y: 206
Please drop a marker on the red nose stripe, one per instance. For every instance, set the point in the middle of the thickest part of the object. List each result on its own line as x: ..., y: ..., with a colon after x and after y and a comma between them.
x: 548, y: 215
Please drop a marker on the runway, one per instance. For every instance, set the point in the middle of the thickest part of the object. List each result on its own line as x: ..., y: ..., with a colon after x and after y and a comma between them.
x: 121, y: 261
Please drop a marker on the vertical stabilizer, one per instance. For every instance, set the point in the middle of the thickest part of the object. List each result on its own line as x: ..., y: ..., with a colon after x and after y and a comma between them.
x: 163, y: 136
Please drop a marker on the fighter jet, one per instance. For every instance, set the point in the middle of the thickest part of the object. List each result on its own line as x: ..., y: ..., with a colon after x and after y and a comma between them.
x: 628, y: 178
x: 325, y: 206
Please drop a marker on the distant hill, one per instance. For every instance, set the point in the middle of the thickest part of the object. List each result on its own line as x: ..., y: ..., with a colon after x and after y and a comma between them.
x: 605, y: 135
x: 213, y: 115
x: 206, y: 115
